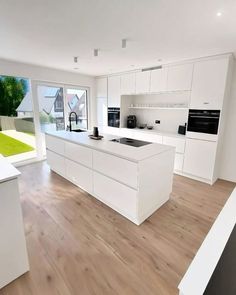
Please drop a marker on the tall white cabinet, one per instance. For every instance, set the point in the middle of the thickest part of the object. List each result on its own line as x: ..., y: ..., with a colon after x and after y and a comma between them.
x: 113, y: 95
x: 101, y: 101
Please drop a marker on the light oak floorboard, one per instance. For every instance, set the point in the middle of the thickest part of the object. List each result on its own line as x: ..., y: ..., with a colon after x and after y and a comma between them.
x: 77, y: 245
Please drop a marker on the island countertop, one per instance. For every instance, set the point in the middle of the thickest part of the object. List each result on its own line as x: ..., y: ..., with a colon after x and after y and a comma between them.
x: 131, y: 153
x: 7, y: 170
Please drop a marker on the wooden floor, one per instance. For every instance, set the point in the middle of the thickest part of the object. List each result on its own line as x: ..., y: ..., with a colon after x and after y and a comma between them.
x: 79, y: 246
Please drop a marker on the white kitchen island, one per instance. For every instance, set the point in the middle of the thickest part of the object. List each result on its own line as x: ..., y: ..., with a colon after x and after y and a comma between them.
x: 134, y: 181
x: 13, y: 253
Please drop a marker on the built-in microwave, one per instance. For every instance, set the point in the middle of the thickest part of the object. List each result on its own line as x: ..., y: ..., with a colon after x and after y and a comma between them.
x: 114, y: 117
x: 203, y: 121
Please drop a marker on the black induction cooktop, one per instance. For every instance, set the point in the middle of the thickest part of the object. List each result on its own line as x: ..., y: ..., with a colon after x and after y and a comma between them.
x: 223, y: 280
x: 130, y: 141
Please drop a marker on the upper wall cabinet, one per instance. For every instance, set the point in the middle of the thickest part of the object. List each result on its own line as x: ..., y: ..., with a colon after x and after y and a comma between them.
x: 113, y: 91
x: 159, y: 80
x: 209, y: 82
x: 101, y: 87
x: 142, y: 82
x: 180, y: 77
x: 127, y: 83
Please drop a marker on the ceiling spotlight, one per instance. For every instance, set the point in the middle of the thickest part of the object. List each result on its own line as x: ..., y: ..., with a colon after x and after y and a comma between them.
x: 75, y: 59
x: 219, y: 13
x: 95, y: 52
x: 123, y: 43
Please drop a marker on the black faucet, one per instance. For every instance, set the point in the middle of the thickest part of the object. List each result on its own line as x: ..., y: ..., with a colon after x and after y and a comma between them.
x: 76, y: 119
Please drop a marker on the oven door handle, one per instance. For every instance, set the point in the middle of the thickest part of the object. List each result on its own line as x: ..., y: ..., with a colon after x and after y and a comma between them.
x: 204, y: 117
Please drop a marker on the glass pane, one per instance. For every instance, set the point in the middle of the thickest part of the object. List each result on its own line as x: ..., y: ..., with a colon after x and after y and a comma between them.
x: 17, y: 132
x: 76, y: 101
x: 51, y: 110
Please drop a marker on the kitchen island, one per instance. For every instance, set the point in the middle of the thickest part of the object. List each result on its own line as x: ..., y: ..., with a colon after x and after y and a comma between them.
x: 134, y: 181
x: 13, y: 253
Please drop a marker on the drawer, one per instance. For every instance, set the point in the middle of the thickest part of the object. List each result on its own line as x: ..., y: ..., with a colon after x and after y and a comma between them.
x: 55, y: 144
x: 178, y: 143
x: 179, y: 160
x: 116, y: 195
x: 79, y: 175
x: 79, y: 153
x: 120, y: 169
x: 56, y: 162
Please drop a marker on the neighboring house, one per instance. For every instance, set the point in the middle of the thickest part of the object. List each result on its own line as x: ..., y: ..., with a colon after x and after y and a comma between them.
x: 50, y: 102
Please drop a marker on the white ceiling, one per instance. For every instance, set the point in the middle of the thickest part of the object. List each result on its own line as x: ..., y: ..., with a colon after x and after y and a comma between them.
x: 50, y: 33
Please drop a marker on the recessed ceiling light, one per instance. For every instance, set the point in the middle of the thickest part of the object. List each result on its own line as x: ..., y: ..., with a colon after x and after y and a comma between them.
x: 219, y: 13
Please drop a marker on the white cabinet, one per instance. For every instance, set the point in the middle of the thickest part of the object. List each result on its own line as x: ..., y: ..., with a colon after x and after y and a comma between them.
x: 101, y: 112
x: 127, y: 83
x: 178, y: 143
x: 79, y: 175
x: 113, y: 91
x: 54, y: 144
x: 101, y: 87
x: 199, y: 158
x: 180, y: 77
x: 142, y: 82
x: 209, y: 81
x: 116, y: 195
x: 79, y: 153
x: 179, y: 160
x: 56, y: 162
x: 159, y: 80
x: 120, y: 169
x: 13, y: 252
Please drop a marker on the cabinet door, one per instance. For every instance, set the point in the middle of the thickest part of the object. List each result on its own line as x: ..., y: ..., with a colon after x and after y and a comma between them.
x: 127, y: 83
x: 180, y: 77
x: 79, y: 153
x: 142, y: 82
x: 159, y: 80
x: 178, y: 143
x: 101, y: 87
x: 116, y: 195
x: 179, y: 160
x: 199, y: 158
x: 56, y: 162
x: 114, y: 91
x: 102, y: 112
x: 117, y: 168
x: 55, y: 144
x: 209, y: 81
x: 79, y: 175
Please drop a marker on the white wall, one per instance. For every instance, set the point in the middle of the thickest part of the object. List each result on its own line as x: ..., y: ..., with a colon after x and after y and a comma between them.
x: 228, y: 161
x: 32, y: 72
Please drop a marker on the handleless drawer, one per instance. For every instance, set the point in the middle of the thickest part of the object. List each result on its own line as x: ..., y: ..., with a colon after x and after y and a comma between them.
x: 55, y: 144
x: 79, y: 153
x: 79, y: 175
x: 116, y: 195
x: 178, y: 143
x: 117, y: 168
x: 56, y: 162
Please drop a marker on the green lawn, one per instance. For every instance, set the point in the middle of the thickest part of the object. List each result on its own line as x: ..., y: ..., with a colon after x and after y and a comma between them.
x: 10, y: 146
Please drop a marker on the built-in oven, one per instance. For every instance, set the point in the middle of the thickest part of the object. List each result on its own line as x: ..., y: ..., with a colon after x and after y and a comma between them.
x: 203, y: 121
x: 114, y: 117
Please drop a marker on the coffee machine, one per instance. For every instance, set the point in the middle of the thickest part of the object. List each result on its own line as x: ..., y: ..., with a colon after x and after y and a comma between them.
x: 131, y: 121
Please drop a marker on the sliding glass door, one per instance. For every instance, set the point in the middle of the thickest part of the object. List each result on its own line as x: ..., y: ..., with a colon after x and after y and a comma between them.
x: 77, y: 101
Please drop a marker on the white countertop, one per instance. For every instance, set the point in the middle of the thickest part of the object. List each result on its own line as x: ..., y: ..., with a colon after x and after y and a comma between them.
x: 134, y: 154
x: 7, y: 170
x: 157, y: 132
x: 203, y: 265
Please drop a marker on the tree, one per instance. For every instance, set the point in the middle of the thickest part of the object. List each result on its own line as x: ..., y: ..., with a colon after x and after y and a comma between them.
x: 12, y: 91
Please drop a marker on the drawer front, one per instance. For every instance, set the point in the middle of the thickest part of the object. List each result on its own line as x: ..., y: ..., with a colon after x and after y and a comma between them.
x: 116, y: 195
x: 55, y: 144
x: 56, y: 162
x: 178, y: 143
x: 79, y: 153
x: 179, y: 160
x: 79, y: 175
x: 115, y: 167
